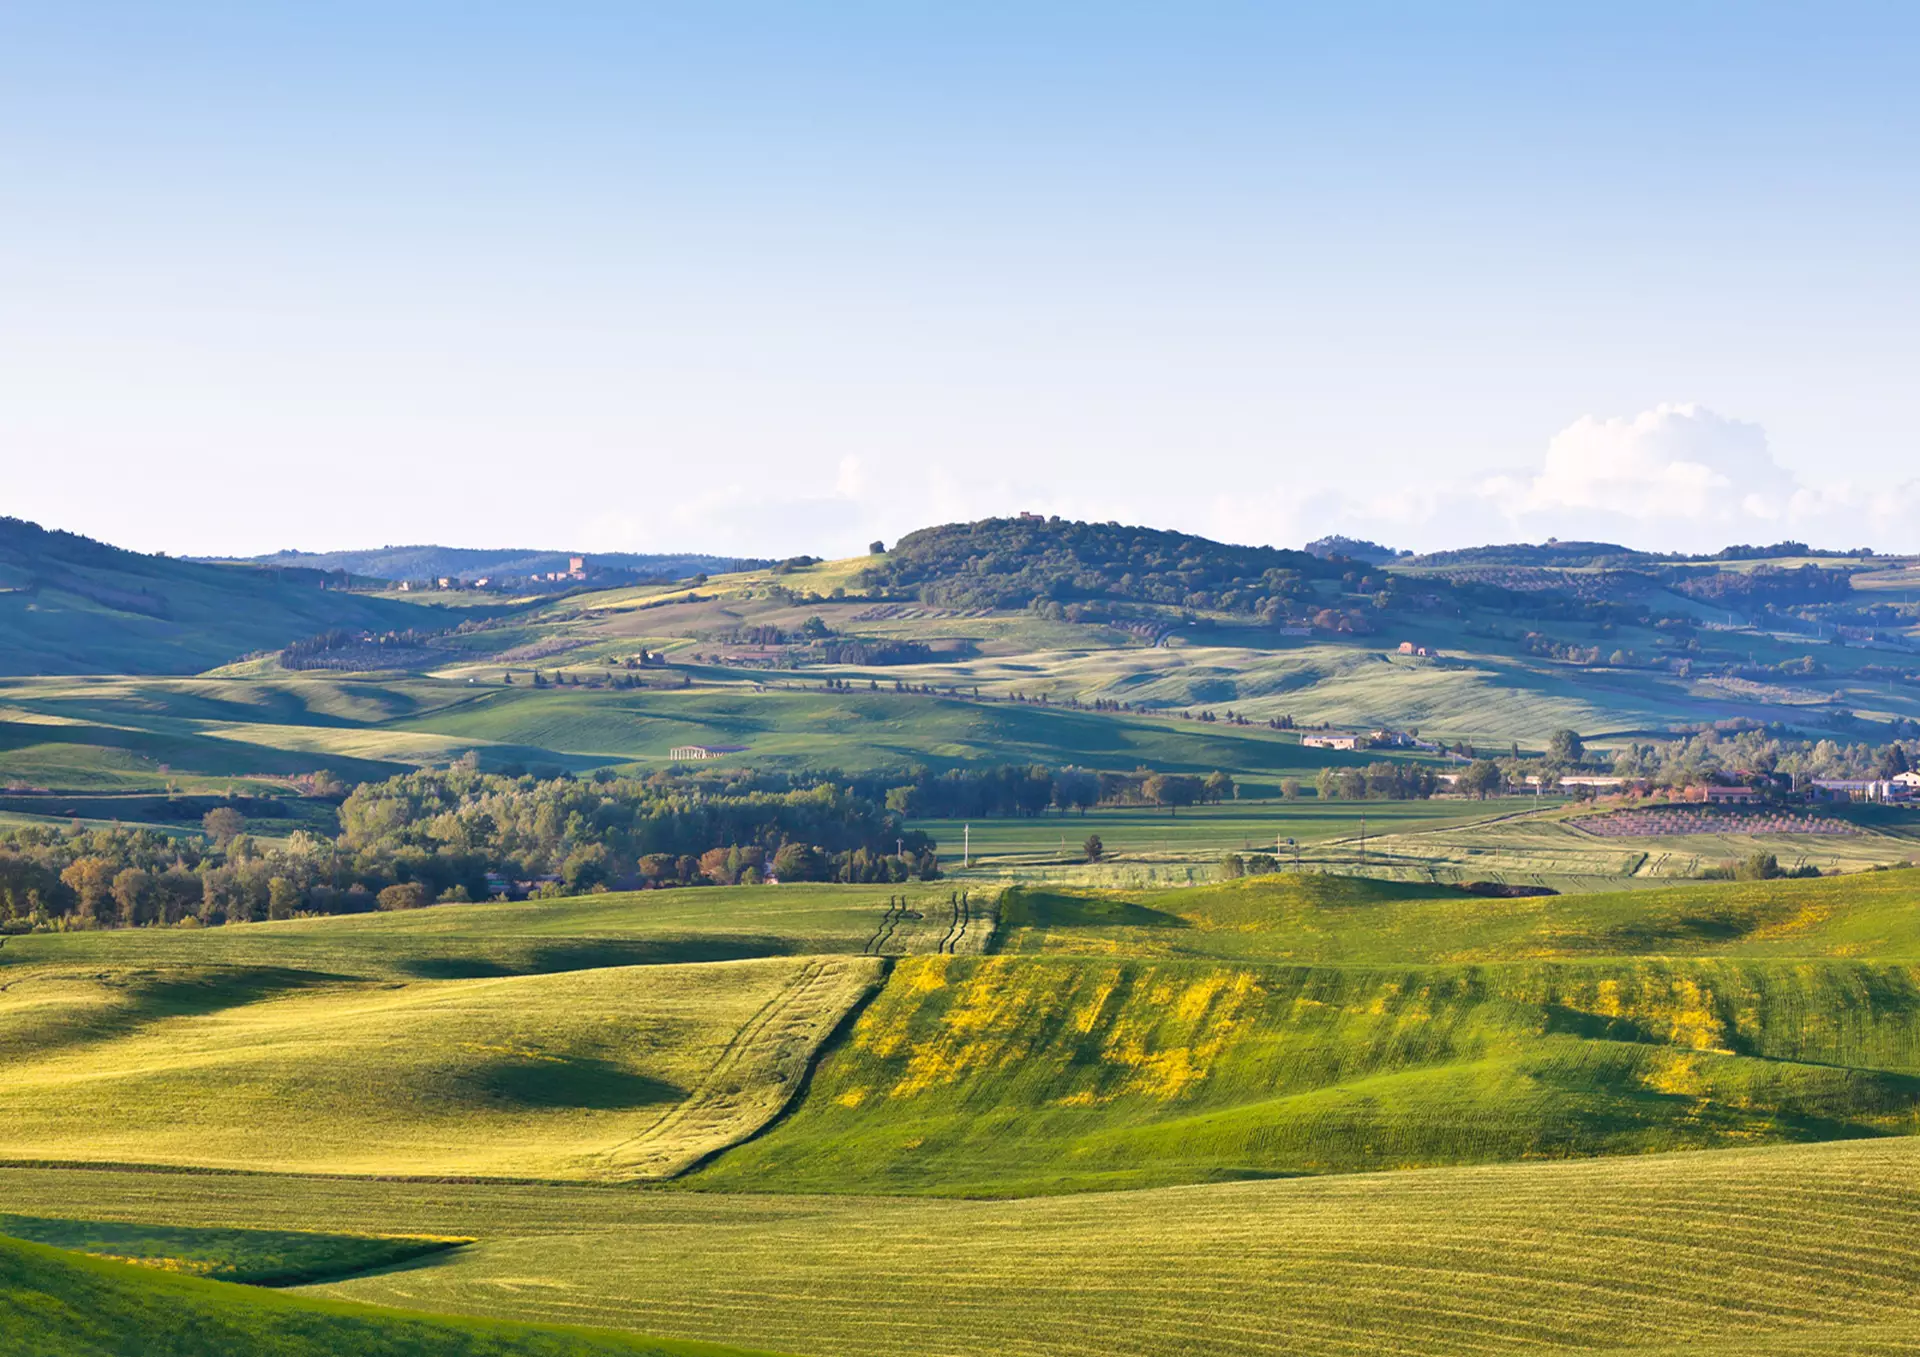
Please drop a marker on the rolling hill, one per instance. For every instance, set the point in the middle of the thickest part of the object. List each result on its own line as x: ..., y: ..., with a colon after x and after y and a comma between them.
x: 71, y: 605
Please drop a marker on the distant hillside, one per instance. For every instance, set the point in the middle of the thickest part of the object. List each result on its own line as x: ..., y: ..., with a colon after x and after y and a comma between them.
x: 71, y: 605
x: 431, y: 562
x: 1014, y: 562
x: 1566, y: 555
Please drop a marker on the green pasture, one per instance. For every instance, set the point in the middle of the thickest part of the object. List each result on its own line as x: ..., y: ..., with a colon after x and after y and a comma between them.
x: 1296, y: 1025
x: 615, y: 1072
x: 55, y: 1303
x: 1793, y: 1249
x: 1200, y: 834
x: 603, y: 1037
x: 805, y: 726
x: 258, y: 1257
x: 528, y: 938
x: 120, y: 735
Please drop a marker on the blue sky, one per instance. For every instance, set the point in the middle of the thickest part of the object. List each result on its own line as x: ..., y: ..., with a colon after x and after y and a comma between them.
x: 780, y: 278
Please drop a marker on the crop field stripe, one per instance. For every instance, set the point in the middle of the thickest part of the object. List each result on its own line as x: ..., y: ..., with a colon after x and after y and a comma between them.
x: 783, y: 1023
x: 1738, y: 1246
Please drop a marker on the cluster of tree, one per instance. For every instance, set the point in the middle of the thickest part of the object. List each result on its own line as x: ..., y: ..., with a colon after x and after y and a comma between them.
x: 1014, y: 562
x: 455, y: 835
x: 1716, y: 756
x: 359, y: 650
x: 1353, y: 549
x: 1766, y: 585
x: 1016, y: 789
x: 1759, y: 867
x: 1382, y: 780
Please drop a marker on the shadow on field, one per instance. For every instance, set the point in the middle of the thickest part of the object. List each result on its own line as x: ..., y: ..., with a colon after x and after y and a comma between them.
x: 571, y: 1082
x: 136, y: 998
x: 595, y: 954
x: 229, y: 1254
x: 1045, y: 909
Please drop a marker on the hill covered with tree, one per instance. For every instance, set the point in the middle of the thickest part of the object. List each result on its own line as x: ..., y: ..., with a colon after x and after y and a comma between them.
x: 1014, y: 562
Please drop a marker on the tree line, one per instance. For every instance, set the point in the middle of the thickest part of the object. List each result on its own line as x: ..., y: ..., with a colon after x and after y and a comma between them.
x: 452, y: 835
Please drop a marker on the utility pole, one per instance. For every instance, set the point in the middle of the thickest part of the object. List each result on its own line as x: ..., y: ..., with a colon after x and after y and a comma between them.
x: 966, y: 845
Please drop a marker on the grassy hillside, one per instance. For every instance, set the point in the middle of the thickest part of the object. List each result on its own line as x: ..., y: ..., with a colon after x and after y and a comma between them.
x: 1405, y: 1030
x: 604, y: 1037
x: 1797, y: 1249
x: 59, y: 1304
x: 1352, y: 921
x: 617, y: 1072
x: 531, y: 938
x: 70, y: 605
x: 118, y: 734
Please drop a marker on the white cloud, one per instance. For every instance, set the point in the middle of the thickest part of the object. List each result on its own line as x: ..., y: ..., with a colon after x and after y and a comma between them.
x: 1678, y: 463
x: 1677, y: 477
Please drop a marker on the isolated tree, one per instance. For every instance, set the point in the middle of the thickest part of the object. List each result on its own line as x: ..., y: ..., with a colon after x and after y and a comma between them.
x: 876, y: 548
x: 1565, y: 747
x: 1289, y: 789
x: 223, y: 824
x: 1093, y: 849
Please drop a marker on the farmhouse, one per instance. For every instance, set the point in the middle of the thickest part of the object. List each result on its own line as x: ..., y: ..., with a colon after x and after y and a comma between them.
x: 1857, y: 789
x: 689, y: 753
x: 1598, y: 782
x: 1410, y: 648
x: 1741, y: 796
x: 1330, y: 741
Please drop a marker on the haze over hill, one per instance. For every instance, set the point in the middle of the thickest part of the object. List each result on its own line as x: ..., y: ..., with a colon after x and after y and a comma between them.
x: 431, y: 562
x: 71, y: 605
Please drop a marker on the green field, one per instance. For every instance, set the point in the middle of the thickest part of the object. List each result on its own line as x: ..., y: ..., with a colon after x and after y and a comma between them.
x: 608, y: 1038
x: 1351, y: 1115
x: 120, y: 735
x: 1798, y: 1249
x: 1293, y: 1025
x: 55, y: 1303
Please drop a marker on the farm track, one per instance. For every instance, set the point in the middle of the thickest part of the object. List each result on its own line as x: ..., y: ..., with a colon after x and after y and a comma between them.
x: 962, y: 907
x: 889, y: 922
